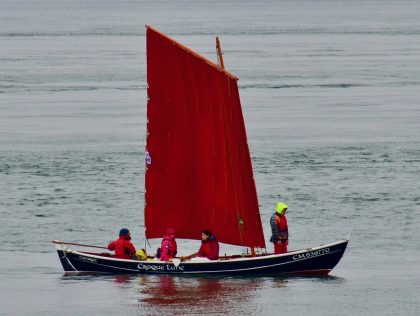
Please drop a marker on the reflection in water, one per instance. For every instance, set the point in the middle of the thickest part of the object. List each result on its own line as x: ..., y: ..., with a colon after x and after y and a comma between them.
x: 181, y: 295
x: 276, y: 283
x: 184, y: 295
x: 197, y: 295
x: 123, y: 279
x: 330, y: 279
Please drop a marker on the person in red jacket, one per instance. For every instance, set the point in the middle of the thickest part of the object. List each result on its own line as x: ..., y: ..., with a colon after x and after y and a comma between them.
x: 279, y: 229
x: 123, y: 247
x: 209, y: 247
x: 168, y: 248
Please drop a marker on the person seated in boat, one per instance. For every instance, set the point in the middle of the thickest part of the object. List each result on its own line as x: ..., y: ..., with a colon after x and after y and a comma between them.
x: 209, y: 247
x: 168, y: 248
x: 279, y: 229
x: 123, y: 247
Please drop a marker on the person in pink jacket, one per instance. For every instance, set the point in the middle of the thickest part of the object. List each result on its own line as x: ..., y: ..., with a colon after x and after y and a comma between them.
x: 168, y: 248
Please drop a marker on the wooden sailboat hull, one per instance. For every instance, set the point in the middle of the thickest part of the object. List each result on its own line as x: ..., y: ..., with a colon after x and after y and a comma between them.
x: 313, y: 261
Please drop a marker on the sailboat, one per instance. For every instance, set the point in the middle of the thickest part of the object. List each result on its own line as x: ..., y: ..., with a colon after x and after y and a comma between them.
x: 199, y: 174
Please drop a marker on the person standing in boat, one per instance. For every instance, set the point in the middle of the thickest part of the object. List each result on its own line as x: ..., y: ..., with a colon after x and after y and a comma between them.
x: 279, y: 229
x: 209, y: 247
x: 123, y: 247
x: 168, y: 248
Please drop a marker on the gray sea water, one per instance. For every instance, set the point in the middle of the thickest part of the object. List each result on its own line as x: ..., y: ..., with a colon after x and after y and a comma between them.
x: 331, y: 98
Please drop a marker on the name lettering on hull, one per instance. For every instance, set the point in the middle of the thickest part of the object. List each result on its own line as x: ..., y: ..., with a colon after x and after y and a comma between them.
x: 311, y: 254
x: 158, y: 267
x: 87, y: 259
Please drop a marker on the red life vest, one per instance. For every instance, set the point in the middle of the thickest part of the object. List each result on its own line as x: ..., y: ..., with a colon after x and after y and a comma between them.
x: 279, y: 228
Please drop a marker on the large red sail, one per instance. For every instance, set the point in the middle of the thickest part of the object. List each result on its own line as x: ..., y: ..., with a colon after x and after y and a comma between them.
x: 199, y: 173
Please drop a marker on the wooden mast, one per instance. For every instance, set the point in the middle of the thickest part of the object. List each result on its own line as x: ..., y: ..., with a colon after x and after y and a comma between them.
x: 219, y: 53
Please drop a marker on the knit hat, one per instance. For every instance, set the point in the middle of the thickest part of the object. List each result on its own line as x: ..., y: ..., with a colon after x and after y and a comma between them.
x: 124, y: 232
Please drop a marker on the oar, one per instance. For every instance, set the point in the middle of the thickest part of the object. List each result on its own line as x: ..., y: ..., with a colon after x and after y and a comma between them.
x: 75, y: 244
x: 189, y: 256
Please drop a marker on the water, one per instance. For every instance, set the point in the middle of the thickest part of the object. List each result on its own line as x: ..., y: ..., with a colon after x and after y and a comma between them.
x: 331, y: 98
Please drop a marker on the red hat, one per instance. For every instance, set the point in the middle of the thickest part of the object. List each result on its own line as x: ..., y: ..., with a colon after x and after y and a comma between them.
x: 170, y: 231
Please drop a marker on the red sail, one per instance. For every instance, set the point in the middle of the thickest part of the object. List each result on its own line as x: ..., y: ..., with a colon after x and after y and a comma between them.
x: 199, y: 173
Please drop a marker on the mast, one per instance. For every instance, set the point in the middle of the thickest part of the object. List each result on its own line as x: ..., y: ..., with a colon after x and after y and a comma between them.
x: 219, y: 53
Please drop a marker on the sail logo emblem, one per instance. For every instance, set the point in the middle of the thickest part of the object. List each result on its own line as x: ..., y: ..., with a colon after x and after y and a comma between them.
x: 148, y: 158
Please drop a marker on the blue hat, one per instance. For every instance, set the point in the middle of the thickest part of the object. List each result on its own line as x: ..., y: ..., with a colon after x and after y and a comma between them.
x: 124, y: 232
